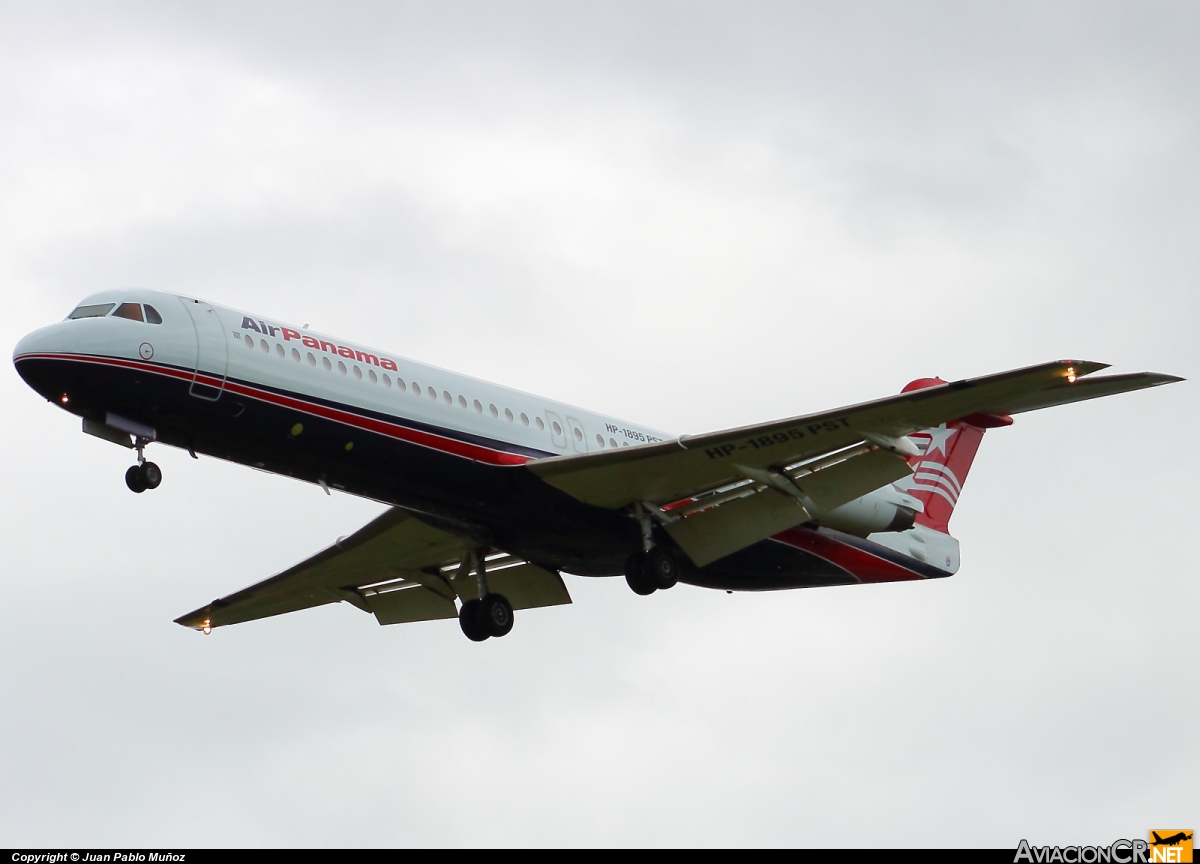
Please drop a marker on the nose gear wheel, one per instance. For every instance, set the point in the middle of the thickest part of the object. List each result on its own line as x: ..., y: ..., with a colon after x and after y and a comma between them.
x: 141, y: 477
x: 144, y: 475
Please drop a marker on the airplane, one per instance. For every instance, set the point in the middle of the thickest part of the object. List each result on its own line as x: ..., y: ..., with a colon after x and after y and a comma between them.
x: 1173, y: 840
x: 493, y: 493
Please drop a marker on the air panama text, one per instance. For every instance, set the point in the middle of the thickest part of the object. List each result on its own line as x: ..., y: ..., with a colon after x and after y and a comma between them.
x: 289, y: 334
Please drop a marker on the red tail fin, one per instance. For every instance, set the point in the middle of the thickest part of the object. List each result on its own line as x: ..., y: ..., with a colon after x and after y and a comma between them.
x: 947, y: 453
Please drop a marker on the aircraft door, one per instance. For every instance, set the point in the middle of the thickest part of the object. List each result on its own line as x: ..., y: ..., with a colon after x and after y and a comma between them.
x: 212, y: 356
x: 557, y: 433
x: 578, y: 436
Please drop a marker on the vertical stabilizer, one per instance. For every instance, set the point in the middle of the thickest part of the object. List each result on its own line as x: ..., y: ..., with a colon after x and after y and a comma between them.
x: 947, y: 453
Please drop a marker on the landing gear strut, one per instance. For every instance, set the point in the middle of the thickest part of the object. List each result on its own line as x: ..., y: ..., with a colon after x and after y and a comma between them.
x: 655, y: 567
x: 144, y: 475
x: 490, y: 614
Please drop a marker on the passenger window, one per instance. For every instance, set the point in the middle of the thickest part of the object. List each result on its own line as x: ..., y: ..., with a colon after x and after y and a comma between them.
x: 152, y: 316
x: 478, y: 407
x: 132, y: 311
x: 341, y: 367
x: 599, y: 440
x: 262, y: 343
x: 508, y: 415
x: 493, y: 411
x: 540, y: 424
x: 357, y: 373
x: 400, y: 385
x: 387, y: 381
x: 612, y: 442
x: 295, y: 355
x: 374, y: 378
x: 557, y: 428
x: 578, y: 434
x: 416, y: 388
x: 325, y: 362
x: 98, y: 310
x: 433, y: 393
x: 524, y: 419
x: 249, y: 340
x: 312, y: 361
x: 462, y: 401
x: 449, y: 400
x: 279, y: 349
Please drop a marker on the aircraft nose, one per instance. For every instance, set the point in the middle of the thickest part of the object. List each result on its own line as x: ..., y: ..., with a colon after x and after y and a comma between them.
x: 46, y: 340
x: 27, y: 345
x: 30, y: 356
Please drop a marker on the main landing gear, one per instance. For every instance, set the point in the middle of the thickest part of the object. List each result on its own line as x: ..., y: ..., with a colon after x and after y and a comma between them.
x: 647, y: 572
x: 144, y: 475
x: 489, y: 615
x: 654, y: 568
x: 492, y: 615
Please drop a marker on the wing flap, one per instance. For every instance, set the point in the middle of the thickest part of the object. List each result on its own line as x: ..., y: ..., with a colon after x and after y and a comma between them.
x: 528, y: 586
x: 843, y: 481
x: 410, y: 603
x: 713, y: 534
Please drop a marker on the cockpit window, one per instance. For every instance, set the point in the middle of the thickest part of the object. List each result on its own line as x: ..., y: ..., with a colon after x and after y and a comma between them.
x: 132, y: 311
x: 99, y: 310
x: 152, y: 315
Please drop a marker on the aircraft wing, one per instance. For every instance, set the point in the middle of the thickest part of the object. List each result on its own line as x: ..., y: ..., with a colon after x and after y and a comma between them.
x: 395, y: 567
x: 831, y: 457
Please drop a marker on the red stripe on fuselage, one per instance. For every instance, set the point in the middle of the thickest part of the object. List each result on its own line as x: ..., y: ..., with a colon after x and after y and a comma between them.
x: 862, y: 565
x: 442, y: 443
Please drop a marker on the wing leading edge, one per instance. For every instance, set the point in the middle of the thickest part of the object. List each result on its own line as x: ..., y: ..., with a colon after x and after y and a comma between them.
x: 691, y: 465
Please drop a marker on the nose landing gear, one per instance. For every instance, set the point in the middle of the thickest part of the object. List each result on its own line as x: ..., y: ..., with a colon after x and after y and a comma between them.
x: 139, y: 478
x: 144, y: 475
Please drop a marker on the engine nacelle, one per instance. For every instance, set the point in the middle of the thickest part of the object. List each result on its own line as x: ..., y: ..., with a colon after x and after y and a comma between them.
x: 883, y: 510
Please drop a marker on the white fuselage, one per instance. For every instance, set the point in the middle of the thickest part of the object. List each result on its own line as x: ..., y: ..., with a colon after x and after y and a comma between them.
x: 221, y: 348
x: 288, y: 357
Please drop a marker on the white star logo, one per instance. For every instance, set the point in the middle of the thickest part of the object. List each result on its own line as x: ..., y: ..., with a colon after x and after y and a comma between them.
x: 938, y: 438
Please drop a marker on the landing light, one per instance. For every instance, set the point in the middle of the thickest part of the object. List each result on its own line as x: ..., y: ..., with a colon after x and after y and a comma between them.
x: 206, y: 627
x: 64, y: 399
x: 1071, y: 375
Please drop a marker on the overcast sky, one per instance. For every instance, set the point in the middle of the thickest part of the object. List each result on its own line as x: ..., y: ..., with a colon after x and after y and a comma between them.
x: 693, y: 215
